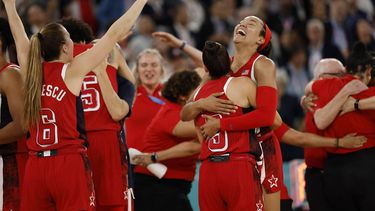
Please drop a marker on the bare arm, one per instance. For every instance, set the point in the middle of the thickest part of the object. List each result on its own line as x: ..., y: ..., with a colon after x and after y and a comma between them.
x: 300, y: 139
x: 174, y: 42
x: 88, y: 60
x: 363, y: 104
x: 183, y: 149
x: 123, y: 67
x: 323, y: 117
x: 11, y: 86
x: 19, y: 34
x: 117, y: 107
x: 212, y: 103
x: 266, y: 100
x: 184, y: 130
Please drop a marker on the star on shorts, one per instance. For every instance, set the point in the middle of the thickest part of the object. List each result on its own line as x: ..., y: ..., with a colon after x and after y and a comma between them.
x: 273, y: 181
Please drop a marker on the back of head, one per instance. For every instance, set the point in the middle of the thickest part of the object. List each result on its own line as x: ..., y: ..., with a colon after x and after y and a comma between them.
x: 6, y: 37
x: 51, y: 39
x: 216, y: 59
x: 328, y: 66
x: 180, y: 84
x: 359, y: 60
x: 80, y: 32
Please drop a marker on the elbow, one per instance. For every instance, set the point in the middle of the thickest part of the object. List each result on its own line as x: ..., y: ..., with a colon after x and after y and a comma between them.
x: 119, y: 114
x: 184, y: 116
x: 320, y: 124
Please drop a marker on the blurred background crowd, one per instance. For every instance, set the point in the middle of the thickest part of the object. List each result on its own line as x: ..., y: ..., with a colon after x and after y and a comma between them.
x: 304, y: 31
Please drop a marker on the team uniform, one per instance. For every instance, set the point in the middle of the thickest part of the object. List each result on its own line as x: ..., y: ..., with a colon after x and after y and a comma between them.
x: 58, y: 174
x: 315, y: 161
x: 227, y: 163
x: 269, y: 152
x: 106, y: 150
x: 170, y: 192
x: 13, y: 158
x: 144, y: 110
x: 348, y: 175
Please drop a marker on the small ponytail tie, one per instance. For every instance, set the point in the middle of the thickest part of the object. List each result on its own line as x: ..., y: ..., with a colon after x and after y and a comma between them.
x: 40, y: 36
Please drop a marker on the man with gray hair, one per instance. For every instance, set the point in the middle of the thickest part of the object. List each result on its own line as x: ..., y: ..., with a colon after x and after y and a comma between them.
x: 315, y: 157
x: 318, y: 48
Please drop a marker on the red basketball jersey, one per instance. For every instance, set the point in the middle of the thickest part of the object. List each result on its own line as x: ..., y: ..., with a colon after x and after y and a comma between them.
x: 96, y: 113
x: 224, y: 141
x: 61, y: 121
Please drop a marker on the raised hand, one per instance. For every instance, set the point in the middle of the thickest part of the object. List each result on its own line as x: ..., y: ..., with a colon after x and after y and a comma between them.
x: 168, y: 39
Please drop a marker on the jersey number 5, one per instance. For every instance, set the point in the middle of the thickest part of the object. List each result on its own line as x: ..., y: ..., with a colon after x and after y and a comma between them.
x: 47, y: 133
x: 90, y: 96
x: 219, y: 142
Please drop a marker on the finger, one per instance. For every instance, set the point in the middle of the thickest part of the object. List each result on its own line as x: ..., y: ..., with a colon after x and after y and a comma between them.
x: 217, y: 94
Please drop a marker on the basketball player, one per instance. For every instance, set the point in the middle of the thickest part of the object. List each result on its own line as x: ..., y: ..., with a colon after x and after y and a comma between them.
x: 53, y: 111
x: 252, y: 46
x: 13, y: 152
x: 103, y: 111
x: 227, y: 153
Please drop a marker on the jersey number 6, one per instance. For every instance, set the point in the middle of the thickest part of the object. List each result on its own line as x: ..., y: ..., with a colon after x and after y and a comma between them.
x: 49, y: 134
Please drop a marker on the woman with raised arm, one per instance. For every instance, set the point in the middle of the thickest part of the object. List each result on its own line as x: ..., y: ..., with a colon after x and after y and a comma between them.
x: 57, y: 175
x: 13, y: 152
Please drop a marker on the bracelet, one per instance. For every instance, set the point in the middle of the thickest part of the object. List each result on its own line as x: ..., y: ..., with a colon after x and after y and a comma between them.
x: 182, y: 45
x: 337, y: 143
x: 356, y: 105
x: 154, y: 157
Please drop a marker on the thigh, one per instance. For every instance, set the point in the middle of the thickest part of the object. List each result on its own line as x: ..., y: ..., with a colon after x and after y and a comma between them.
x: 109, y: 171
x: 241, y: 178
x: 337, y: 195
x: 272, y: 165
x: 209, y: 196
x: 10, y: 186
x: 314, y: 190
x: 35, y: 195
x: 71, y: 184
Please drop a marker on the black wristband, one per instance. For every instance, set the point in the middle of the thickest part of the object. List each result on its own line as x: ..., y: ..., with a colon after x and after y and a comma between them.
x: 182, y: 45
x: 337, y: 142
x: 154, y: 157
x: 356, y: 105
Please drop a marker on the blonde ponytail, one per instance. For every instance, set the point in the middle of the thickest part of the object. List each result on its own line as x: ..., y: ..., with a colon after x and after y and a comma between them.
x: 33, y: 84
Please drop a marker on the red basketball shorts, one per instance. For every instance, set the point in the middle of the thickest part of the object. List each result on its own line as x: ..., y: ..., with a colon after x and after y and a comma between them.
x: 61, y: 182
x: 107, y: 157
x: 230, y: 185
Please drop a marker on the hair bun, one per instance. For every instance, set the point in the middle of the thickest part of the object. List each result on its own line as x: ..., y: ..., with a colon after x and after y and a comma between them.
x: 359, y: 48
x: 211, y: 46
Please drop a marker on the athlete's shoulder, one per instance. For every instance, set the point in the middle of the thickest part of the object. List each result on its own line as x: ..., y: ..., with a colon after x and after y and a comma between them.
x: 265, y: 63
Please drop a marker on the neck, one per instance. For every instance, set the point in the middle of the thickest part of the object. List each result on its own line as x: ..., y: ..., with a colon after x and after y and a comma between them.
x: 150, y: 89
x: 241, y: 56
